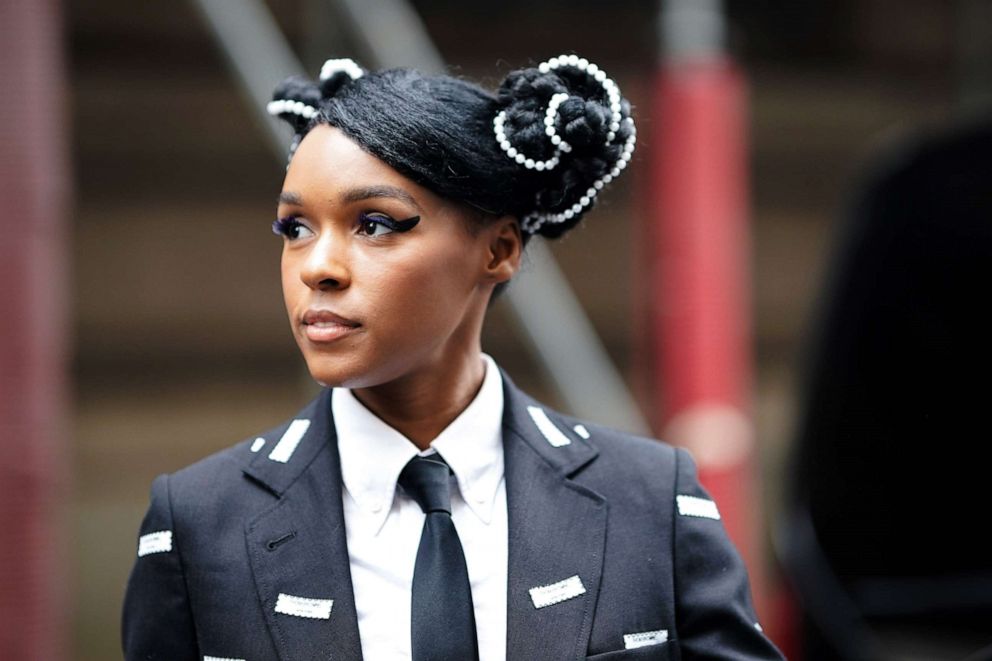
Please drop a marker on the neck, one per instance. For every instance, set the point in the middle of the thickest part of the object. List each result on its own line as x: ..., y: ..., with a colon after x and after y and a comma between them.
x: 421, y: 405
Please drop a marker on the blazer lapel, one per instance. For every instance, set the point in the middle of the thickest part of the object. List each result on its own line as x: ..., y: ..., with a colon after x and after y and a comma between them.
x: 298, y: 548
x: 557, y: 534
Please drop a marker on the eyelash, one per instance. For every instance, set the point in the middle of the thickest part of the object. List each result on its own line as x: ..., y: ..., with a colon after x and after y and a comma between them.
x: 289, y: 225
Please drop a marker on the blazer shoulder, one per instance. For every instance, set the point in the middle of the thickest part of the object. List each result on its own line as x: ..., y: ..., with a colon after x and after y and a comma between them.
x: 567, y: 429
x: 612, y: 442
x: 219, y: 477
x: 620, y: 453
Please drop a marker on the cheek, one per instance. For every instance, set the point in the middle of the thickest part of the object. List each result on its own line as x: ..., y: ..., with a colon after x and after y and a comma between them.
x: 426, y: 290
x: 290, y: 278
x: 295, y: 293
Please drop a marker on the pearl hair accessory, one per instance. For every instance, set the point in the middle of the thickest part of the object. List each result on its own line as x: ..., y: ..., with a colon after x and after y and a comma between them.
x: 345, y: 64
x: 532, y: 222
x: 280, y: 106
x: 331, y: 67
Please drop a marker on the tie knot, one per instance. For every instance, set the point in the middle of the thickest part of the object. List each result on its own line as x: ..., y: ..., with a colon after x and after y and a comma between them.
x: 425, y: 479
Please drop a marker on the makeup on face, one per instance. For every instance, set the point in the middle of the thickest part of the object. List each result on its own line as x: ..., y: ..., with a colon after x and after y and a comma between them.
x: 380, y: 277
x: 369, y: 223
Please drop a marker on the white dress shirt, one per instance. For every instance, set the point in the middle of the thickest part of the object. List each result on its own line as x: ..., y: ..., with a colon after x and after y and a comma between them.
x: 383, y: 524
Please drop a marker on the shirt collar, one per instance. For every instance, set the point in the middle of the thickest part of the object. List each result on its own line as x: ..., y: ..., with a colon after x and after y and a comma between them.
x: 373, y: 454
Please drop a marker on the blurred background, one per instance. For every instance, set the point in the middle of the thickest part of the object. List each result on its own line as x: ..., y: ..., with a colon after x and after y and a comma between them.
x: 729, y: 277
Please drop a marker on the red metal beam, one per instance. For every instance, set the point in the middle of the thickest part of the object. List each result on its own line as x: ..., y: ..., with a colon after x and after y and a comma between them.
x: 700, y: 278
x: 33, y: 333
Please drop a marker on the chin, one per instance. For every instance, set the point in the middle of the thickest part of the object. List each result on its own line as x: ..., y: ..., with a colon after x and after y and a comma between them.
x: 338, y: 371
x: 328, y: 372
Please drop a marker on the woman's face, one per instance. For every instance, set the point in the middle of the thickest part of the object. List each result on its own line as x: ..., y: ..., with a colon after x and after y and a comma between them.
x: 372, y: 293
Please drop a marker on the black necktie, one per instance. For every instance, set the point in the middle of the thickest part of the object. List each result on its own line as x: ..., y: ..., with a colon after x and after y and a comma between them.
x: 443, y: 621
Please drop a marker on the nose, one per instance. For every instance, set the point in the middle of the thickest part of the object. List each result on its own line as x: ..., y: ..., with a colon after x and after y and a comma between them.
x: 326, y: 264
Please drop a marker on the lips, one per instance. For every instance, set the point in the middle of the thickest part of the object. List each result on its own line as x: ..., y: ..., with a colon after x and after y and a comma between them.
x: 326, y: 326
x: 315, y: 316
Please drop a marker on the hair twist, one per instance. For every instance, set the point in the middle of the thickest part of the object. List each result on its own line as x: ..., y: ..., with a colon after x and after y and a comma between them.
x: 298, y: 100
x: 566, y: 121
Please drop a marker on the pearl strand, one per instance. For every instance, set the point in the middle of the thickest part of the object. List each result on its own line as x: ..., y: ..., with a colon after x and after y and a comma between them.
x: 551, y: 113
x: 551, y: 118
x: 511, y: 151
x: 281, y: 106
x: 532, y: 222
x: 345, y: 64
x: 591, y: 69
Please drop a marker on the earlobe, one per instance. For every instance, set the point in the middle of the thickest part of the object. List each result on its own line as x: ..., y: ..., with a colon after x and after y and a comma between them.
x: 505, y: 250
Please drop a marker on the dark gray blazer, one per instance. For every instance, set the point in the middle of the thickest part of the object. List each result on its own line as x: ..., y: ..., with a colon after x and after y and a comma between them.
x: 234, y: 546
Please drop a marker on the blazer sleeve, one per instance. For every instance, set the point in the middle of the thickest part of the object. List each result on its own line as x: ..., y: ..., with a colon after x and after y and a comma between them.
x: 714, y: 614
x: 157, y: 622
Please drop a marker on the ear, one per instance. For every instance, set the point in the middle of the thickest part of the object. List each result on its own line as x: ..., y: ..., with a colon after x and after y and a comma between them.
x: 505, y: 246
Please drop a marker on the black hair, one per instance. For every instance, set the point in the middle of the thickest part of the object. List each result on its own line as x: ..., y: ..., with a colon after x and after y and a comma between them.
x: 439, y: 132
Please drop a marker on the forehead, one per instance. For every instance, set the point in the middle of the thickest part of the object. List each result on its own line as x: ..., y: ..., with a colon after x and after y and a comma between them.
x: 328, y: 159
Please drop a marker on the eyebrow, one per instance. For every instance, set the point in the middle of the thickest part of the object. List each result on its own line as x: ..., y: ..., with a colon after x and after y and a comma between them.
x: 383, y: 190
x: 288, y: 197
x: 357, y: 195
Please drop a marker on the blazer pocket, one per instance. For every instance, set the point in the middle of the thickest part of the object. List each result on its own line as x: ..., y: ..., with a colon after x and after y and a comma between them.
x: 658, y: 652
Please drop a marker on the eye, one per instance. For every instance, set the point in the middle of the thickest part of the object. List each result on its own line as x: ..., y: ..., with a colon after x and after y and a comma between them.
x: 375, y: 224
x: 379, y: 224
x: 291, y: 228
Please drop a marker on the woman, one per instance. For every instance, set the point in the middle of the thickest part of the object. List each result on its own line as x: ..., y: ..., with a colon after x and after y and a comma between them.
x: 421, y: 506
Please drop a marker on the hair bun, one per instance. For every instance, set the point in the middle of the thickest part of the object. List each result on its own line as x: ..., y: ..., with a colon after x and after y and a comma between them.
x: 297, y: 100
x: 336, y: 73
x: 566, y: 121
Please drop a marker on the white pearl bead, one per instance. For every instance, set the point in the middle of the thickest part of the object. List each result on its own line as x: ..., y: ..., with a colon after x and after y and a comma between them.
x: 520, y: 158
x: 556, y: 139
x: 592, y: 69
x: 511, y: 152
x: 615, y: 172
x: 529, y: 163
x: 607, y: 178
x: 583, y: 63
x: 568, y: 214
x: 584, y: 200
x: 573, y: 59
x: 539, y: 165
x: 543, y: 67
x: 549, y: 130
x: 600, y: 75
x: 614, y: 126
x: 598, y: 185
